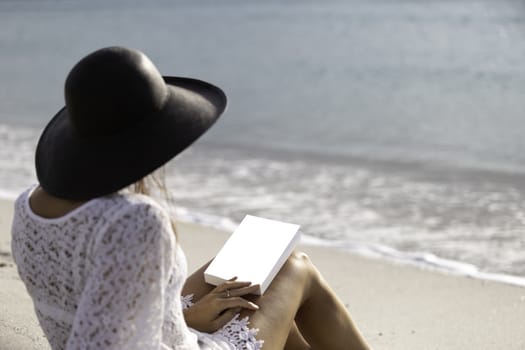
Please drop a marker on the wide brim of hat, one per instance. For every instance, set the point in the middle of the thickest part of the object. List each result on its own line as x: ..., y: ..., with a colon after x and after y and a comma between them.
x: 74, y: 167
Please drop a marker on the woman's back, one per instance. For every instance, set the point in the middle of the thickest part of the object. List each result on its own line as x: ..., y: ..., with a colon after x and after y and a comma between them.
x: 86, y: 264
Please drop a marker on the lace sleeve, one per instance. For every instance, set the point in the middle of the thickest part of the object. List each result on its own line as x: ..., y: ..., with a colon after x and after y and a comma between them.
x: 122, y: 304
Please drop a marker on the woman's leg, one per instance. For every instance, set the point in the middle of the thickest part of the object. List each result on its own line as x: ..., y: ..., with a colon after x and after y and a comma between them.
x: 298, y: 295
x: 295, y: 340
x: 196, y: 285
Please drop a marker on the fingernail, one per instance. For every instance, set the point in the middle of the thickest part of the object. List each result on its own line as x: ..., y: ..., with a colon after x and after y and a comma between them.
x: 255, y: 306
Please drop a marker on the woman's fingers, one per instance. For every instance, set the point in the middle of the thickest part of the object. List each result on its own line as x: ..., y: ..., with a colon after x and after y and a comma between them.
x: 231, y: 285
x: 235, y: 289
x: 237, y: 302
x: 250, y: 289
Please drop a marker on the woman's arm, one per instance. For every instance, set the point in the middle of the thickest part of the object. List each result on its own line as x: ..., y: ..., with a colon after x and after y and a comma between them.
x: 122, y: 304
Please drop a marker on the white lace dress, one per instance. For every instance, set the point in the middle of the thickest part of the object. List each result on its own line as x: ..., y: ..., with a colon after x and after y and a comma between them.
x: 108, y: 275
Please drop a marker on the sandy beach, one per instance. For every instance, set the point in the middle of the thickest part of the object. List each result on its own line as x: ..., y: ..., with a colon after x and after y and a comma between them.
x: 396, y: 307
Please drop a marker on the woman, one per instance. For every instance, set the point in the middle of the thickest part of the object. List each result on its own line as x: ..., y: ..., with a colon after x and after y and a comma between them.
x: 102, y: 263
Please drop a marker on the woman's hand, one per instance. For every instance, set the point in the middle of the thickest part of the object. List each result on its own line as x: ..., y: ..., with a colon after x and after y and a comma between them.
x: 219, y: 306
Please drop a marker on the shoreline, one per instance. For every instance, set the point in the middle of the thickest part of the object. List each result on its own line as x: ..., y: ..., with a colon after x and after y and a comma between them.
x: 421, y: 260
x: 397, y: 307
x: 394, y: 210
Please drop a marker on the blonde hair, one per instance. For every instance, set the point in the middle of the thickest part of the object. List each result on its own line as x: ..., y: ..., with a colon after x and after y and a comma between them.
x: 154, y: 185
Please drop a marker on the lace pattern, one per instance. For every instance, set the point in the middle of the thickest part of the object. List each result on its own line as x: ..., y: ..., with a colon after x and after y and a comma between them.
x: 236, y: 332
x: 109, y: 275
x: 186, y: 301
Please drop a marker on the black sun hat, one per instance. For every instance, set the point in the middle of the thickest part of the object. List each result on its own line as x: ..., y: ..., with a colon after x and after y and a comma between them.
x: 122, y: 120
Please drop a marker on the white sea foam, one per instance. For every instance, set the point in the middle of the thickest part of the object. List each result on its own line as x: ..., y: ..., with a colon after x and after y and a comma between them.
x: 419, y: 259
x: 16, y: 159
x: 217, y: 222
x: 378, y: 211
x: 9, y: 195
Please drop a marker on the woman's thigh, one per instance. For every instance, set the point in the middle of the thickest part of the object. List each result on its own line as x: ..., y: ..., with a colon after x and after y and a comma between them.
x: 277, y: 307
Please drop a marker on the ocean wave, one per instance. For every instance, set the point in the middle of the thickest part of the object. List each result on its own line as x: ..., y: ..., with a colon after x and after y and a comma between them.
x: 423, y: 260
x: 393, y: 211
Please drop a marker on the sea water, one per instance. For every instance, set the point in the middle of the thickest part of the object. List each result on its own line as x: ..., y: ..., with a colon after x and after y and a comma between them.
x: 390, y: 128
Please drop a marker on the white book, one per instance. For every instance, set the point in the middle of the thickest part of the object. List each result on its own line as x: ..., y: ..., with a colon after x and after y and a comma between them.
x: 255, y: 252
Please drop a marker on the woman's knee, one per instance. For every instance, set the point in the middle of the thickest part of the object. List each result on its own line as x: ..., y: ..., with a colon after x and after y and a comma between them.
x: 299, y: 264
x: 306, y: 276
x: 300, y: 260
